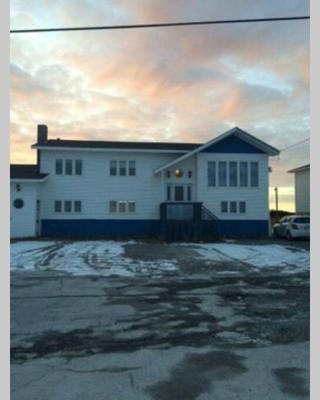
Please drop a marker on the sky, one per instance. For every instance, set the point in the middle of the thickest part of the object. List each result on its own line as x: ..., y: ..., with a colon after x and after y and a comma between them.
x: 178, y: 84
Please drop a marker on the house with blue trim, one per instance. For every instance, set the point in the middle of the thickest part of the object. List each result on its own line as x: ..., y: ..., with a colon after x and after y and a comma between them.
x: 113, y: 189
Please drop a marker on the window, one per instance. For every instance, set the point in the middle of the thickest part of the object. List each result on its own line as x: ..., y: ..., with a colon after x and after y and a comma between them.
x: 67, y: 206
x: 168, y: 193
x: 78, y: 167
x: 77, y: 206
x: 243, y: 174
x: 189, y: 193
x: 224, y: 206
x: 211, y: 173
x: 222, y: 173
x: 233, y: 206
x: 58, y: 206
x: 68, y: 167
x: 113, y: 168
x: 254, y: 174
x: 131, y: 206
x: 168, y: 174
x: 122, y: 168
x: 59, y: 167
x: 112, y: 206
x: 178, y: 193
x: 132, y: 168
x: 189, y: 174
x: 122, y: 206
x: 242, y: 207
x: 233, y: 174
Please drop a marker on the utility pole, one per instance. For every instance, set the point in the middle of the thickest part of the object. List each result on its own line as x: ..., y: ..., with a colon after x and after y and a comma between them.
x: 277, y: 204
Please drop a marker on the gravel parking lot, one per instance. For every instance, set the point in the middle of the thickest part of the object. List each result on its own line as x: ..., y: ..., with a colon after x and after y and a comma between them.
x: 132, y: 320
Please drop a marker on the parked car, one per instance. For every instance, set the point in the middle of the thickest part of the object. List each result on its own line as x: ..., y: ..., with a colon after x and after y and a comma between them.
x: 292, y: 226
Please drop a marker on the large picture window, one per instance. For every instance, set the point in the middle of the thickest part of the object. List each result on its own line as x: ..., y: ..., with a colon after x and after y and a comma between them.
x: 211, y: 173
x: 222, y: 173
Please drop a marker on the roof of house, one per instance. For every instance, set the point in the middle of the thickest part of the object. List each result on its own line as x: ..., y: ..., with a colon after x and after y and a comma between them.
x: 300, y: 169
x: 234, y: 132
x: 98, y: 144
x: 25, y: 171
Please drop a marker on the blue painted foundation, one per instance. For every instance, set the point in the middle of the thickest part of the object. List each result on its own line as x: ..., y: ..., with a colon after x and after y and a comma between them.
x: 100, y: 228
x: 86, y: 228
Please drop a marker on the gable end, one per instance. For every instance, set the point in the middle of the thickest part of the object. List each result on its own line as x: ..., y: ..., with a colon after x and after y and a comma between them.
x: 232, y: 144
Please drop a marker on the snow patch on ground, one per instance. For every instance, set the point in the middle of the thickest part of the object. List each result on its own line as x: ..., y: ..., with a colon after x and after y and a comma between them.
x: 258, y: 256
x: 106, y: 258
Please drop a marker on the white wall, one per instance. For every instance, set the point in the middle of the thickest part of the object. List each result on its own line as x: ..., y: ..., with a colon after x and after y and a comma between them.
x: 23, y: 220
x: 95, y: 187
x: 302, y: 191
x: 257, y: 207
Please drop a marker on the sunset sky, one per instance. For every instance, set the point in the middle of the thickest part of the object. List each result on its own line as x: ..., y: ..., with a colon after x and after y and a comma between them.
x: 186, y: 84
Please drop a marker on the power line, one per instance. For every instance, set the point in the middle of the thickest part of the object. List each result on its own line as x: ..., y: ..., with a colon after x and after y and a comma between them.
x: 295, y: 144
x: 160, y: 25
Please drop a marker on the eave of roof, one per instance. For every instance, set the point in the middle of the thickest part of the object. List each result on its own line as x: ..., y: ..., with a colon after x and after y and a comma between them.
x: 299, y: 169
x: 270, y: 150
x: 107, y: 145
x: 26, y: 172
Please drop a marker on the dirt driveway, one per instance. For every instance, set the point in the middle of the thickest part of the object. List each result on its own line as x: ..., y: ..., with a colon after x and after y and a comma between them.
x: 178, y: 322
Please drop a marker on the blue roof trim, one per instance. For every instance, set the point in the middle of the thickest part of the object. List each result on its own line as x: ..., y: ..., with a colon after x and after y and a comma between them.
x: 232, y: 144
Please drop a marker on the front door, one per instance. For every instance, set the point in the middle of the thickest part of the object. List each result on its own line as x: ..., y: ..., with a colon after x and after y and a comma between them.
x: 182, y: 192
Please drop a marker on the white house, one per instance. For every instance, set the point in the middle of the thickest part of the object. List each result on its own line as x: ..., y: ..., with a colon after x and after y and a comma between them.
x: 142, y: 189
x: 302, y: 188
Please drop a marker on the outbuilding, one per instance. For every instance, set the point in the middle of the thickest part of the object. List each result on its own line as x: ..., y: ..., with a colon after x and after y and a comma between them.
x: 302, y: 188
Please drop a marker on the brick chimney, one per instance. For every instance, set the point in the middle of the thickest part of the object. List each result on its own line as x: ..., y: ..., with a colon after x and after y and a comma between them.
x: 42, y: 134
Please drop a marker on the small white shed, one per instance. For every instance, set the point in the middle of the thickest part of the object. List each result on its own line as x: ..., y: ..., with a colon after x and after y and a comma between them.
x: 25, y: 200
x: 302, y: 188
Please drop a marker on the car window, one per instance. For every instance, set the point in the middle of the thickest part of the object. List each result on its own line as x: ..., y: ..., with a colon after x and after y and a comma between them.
x: 283, y: 219
x: 302, y: 220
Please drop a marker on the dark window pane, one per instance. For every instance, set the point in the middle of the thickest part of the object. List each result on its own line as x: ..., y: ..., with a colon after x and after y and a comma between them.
x: 112, y: 206
x: 242, y: 206
x: 113, y: 168
x: 67, y: 206
x: 302, y: 220
x: 57, y: 206
x: 168, y: 174
x: 77, y: 206
x: 132, y: 168
x: 243, y: 174
x: 211, y: 173
x: 122, y: 168
x: 233, y: 206
x: 222, y: 173
x: 189, y: 193
x: 254, y: 171
x: 168, y: 193
x: 122, y: 206
x: 78, y: 167
x: 189, y: 174
x: 68, y: 167
x: 131, y: 206
x: 58, y: 167
x: 224, y: 206
x: 178, y: 193
x: 233, y: 172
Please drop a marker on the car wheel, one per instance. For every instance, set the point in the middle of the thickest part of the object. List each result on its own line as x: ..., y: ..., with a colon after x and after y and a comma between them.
x: 288, y: 235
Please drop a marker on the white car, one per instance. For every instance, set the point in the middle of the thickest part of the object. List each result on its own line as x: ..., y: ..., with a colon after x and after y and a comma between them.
x: 293, y: 226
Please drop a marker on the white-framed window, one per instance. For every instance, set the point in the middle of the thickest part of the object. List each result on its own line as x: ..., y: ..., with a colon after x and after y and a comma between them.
x: 132, y: 168
x: 122, y: 168
x: 112, y: 206
x: 233, y: 174
x: 58, y: 206
x: 222, y: 173
x: 243, y: 174
x: 113, y: 167
x: 59, y: 166
x: 68, y: 206
x: 77, y: 206
x: 78, y: 167
x: 68, y: 167
x: 122, y: 206
x: 224, y: 206
x: 242, y: 207
x: 254, y: 174
x: 233, y: 207
x: 211, y: 173
x: 131, y: 206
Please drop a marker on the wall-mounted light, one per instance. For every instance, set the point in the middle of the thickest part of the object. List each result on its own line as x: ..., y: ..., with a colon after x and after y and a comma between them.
x: 178, y: 173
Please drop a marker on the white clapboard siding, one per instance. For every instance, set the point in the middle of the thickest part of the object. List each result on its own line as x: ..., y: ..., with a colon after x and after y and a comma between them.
x: 23, y: 220
x: 302, y: 191
x: 95, y: 187
x: 256, y: 199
